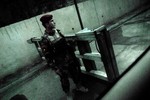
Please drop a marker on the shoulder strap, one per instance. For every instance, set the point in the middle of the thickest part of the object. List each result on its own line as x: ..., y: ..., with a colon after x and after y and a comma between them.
x: 60, y: 33
x: 45, y: 37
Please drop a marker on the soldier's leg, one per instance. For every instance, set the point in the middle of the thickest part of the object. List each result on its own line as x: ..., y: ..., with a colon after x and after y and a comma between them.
x: 65, y: 83
x: 64, y: 80
x: 75, y: 74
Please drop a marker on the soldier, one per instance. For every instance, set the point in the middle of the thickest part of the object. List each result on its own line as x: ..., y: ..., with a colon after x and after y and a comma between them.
x: 61, y: 55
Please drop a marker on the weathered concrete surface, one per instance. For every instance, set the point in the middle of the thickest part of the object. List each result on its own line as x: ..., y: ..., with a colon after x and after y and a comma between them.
x: 130, y: 41
x: 44, y: 86
x: 15, y: 52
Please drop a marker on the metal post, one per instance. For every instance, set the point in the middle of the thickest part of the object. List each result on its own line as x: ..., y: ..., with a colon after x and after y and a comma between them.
x: 84, y: 46
x: 107, y: 54
x: 78, y: 13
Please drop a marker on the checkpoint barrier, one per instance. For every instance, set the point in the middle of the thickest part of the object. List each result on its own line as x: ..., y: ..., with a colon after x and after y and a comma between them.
x: 106, y: 53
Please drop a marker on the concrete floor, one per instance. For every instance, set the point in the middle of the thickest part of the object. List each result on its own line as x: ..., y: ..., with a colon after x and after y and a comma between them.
x: 39, y: 87
x: 129, y: 42
x: 45, y: 85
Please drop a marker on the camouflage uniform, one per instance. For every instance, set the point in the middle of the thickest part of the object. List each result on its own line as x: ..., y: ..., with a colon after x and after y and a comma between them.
x: 60, y: 56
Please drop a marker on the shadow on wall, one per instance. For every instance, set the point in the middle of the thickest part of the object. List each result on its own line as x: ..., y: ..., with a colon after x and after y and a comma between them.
x: 19, y: 97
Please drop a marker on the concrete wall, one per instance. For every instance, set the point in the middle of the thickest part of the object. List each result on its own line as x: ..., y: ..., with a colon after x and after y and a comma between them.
x: 95, y: 13
x: 16, y: 53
